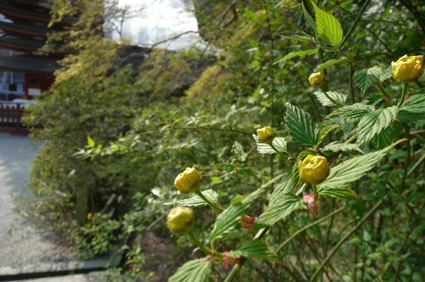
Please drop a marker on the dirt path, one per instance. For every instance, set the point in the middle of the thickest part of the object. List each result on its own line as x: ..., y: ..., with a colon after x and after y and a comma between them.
x: 22, y: 243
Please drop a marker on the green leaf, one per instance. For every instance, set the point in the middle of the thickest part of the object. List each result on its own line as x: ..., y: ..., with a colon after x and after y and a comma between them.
x: 90, y: 141
x: 329, y: 63
x: 413, y: 109
x: 353, y: 169
x: 254, y: 248
x: 230, y: 216
x: 337, y: 192
x: 310, y: 22
x: 324, y: 132
x: 367, y: 77
x: 227, y: 220
x: 196, y: 201
x: 281, y: 189
x: 198, y: 270
x: 249, y: 15
x: 301, y: 127
x: 384, y: 138
x: 339, y: 97
x: 278, y: 142
x: 303, y: 38
x: 386, y: 74
x: 296, y: 182
x: 373, y: 123
x: 278, y: 210
x: 357, y: 110
x: 347, y: 125
x: 304, y: 52
x: 341, y: 147
x: 328, y: 26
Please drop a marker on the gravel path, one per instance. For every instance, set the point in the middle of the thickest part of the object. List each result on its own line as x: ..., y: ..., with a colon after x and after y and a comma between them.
x: 22, y: 242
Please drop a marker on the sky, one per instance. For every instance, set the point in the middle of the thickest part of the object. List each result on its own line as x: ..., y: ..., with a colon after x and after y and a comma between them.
x: 151, y: 21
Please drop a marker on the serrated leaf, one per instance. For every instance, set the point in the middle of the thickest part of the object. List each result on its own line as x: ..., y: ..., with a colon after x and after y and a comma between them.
x: 386, y: 137
x: 386, y: 74
x: 337, y: 193
x: 413, y: 109
x: 196, y: 201
x: 341, y: 147
x: 281, y: 209
x: 310, y: 22
x: 357, y: 110
x: 230, y: 216
x: 328, y: 27
x: 329, y: 63
x: 304, y: 52
x: 373, y: 123
x: 367, y: 77
x: 324, y: 132
x: 226, y: 220
x: 198, y: 270
x: 296, y: 182
x: 281, y: 189
x: 254, y: 248
x: 353, y: 169
x: 347, y: 125
x: 301, y: 127
x: 338, y: 97
x: 278, y: 142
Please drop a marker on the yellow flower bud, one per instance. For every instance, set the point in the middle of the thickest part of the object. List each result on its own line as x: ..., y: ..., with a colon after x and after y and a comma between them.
x: 266, y: 134
x: 408, y: 68
x: 313, y: 169
x: 188, y: 181
x: 317, y: 78
x: 180, y: 220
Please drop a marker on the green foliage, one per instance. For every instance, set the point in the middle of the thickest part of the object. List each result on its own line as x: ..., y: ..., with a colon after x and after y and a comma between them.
x: 120, y: 131
x: 373, y: 123
x: 196, y: 270
x: 301, y: 127
x: 328, y: 27
x: 338, y: 97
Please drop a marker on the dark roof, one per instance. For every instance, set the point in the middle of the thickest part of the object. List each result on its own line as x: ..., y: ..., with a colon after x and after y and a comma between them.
x: 11, y: 12
x: 41, y: 3
x: 28, y: 30
x: 32, y: 64
x: 21, y: 44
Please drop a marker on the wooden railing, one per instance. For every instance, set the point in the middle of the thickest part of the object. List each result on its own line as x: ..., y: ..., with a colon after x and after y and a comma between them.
x: 11, y: 119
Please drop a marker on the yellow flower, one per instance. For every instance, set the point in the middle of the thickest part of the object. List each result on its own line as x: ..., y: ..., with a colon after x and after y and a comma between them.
x: 188, y: 181
x: 180, y: 220
x: 89, y: 215
x: 408, y: 68
x: 266, y: 134
x: 314, y: 169
x: 317, y: 78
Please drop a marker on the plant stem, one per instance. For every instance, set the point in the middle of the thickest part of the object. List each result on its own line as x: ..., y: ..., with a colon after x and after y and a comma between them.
x: 214, y: 207
x: 232, y: 275
x: 338, y: 245
x: 403, y: 94
x: 307, y: 227
x: 350, y: 31
x: 199, y: 244
x: 408, y: 149
x: 331, y: 99
x: 276, y: 150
